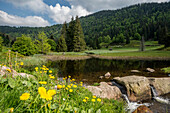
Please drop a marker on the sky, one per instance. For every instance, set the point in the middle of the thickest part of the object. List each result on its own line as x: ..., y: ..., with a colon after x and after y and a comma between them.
x: 41, y: 13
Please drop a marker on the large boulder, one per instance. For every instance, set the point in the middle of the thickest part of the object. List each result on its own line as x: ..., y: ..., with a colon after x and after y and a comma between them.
x: 105, y: 91
x: 13, y: 73
x: 142, y: 109
x: 162, y: 85
x: 138, y: 87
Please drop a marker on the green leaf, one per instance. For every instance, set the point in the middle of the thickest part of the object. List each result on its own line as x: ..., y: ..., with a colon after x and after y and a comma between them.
x: 27, y: 83
x: 98, y: 111
x: 83, y: 111
x: 3, y: 80
x: 11, y: 82
x: 54, y: 106
x: 7, y: 110
x: 90, y: 110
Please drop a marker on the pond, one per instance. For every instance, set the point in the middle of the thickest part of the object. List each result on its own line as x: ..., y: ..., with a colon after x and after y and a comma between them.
x: 90, y: 70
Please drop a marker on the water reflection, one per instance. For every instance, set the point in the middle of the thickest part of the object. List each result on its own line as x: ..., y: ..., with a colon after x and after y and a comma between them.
x: 89, y: 70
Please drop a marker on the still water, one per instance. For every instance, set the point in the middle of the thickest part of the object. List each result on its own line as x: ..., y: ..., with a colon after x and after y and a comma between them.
x: 90, y: 70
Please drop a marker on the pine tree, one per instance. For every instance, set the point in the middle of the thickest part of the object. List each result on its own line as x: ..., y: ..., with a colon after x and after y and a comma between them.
x: 70, y: 35
x: 79, y: 43
x: 61, y: 44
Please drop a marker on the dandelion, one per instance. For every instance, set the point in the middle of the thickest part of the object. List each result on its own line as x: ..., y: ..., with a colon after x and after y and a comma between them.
x: 8, y: 70
x: 74, y: 86
x: 52, y: 77
x: 59, y: 86
x: 49, y: 105
x: 68, y: 86
x: 46, y: 95
x: 36, y: 68
x: 64, y: 78
x: 40, y: 71
x: 25, y: 96
x: 22, y: 63
x: 93, y: 100
x: 51, y: 92
x: 84, y: 100
x: 42, y: 82
x: 69, y: 76
x: 70, y: 90
x: 50, y: 71
x: 5, y: 65
x: 11, y: 110
x: 87, y: 98
x: 94, y: 96
x: 45, y: 71
x: 99, y: 100
x: 73, y: 79
x: 63, y: 86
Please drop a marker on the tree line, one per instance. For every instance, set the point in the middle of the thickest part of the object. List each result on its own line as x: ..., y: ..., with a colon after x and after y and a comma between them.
x: 110, y: 27
x: 71, y: 39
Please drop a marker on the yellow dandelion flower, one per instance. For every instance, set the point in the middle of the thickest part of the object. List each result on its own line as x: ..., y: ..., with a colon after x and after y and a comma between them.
x: 73, y: 79
x: 70, y: 90
x: 42, y: 82
x: 94, y: 96
x: 81, y: 82
x: 50, y: 71
x: 11, y: 110
x: 68, y: 86
x: 64, y: 78
x: 59, y: 86
x: 5, y: 65
x: 93, y: 100
x: 75, y: 86
x: 25, y: 96
x: 69, y: 76
x: 8, y: 70
x: 42, y: 92
x: 36, y: 68
x: 63, y: 86
x: 87, y: 98
x: 45, y: 71
x: 84, y: 100
x: 71, y: 84
x: 52, y: 77
x: 40, y: 71
x: 22, y: 63
x: 51, y: 92
x: 99, y: 100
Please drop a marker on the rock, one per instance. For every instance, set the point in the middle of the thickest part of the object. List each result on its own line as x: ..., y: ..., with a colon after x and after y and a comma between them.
x: 135, y: 71
x: 162, y: 85
x: 13, y: 73
x: 105, y: 91
x: 101, y: 77
x: 137, y: 87
x: 150, y: 70
x: 107, y: 75
x: 142, y: 109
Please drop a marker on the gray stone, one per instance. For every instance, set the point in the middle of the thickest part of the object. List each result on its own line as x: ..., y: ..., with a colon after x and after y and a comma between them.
x: 150, y: 70
x: 135, y: 71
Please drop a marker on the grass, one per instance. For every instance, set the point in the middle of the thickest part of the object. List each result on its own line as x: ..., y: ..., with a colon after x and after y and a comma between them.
x: 51, y: 95
x: 140, y: 54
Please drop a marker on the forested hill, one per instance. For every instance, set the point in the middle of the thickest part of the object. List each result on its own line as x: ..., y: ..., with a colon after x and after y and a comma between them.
x: 151, y: 20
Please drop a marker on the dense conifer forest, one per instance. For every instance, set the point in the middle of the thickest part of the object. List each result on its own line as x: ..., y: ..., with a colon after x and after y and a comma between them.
x: 109, y: 27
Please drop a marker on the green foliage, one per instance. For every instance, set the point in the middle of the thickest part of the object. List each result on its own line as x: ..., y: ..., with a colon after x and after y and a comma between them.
x: 24, y: 46
x: 166, y: 70
x: 52, y: 44
x: 1, y: 40
x: 137, y: 36
x: 61, y: 44
x: 67, y: 96
x: 42, y: 43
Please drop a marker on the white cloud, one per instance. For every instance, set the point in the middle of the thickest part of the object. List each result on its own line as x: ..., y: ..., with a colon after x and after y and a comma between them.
x: 37, y: 6
x: 11, y: 20
x: 98, y: 5
x: 60, y: 14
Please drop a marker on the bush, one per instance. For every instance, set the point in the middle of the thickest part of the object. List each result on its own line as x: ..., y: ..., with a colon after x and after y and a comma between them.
x: 1, y: 40
x: 24, y: 46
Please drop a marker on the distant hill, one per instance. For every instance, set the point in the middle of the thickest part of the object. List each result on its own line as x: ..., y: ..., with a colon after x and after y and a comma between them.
x: 151, y: 20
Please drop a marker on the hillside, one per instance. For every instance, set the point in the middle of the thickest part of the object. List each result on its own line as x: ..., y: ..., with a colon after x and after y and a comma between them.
x: 151, y: 20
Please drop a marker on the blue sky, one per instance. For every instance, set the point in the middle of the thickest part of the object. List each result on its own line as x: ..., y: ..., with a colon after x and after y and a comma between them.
x: 40, y: 13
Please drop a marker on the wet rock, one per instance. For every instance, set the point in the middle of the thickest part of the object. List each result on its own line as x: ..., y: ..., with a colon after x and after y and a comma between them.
x: 105, y: 91
x: 107, y: 75
x: 142, y: 109
x: 138, y: 87
x: 150, y: 70
x: 135, y: 71
x: 162, y: 85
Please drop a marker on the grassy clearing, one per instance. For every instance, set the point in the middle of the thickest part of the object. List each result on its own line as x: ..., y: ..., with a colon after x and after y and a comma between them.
x: 140, y: 54
x: 47, y: 94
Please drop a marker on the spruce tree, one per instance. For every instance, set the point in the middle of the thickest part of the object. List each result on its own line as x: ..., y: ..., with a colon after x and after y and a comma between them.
x: 70, y: 35
x: 78, y: 40
x: 61, y: 44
